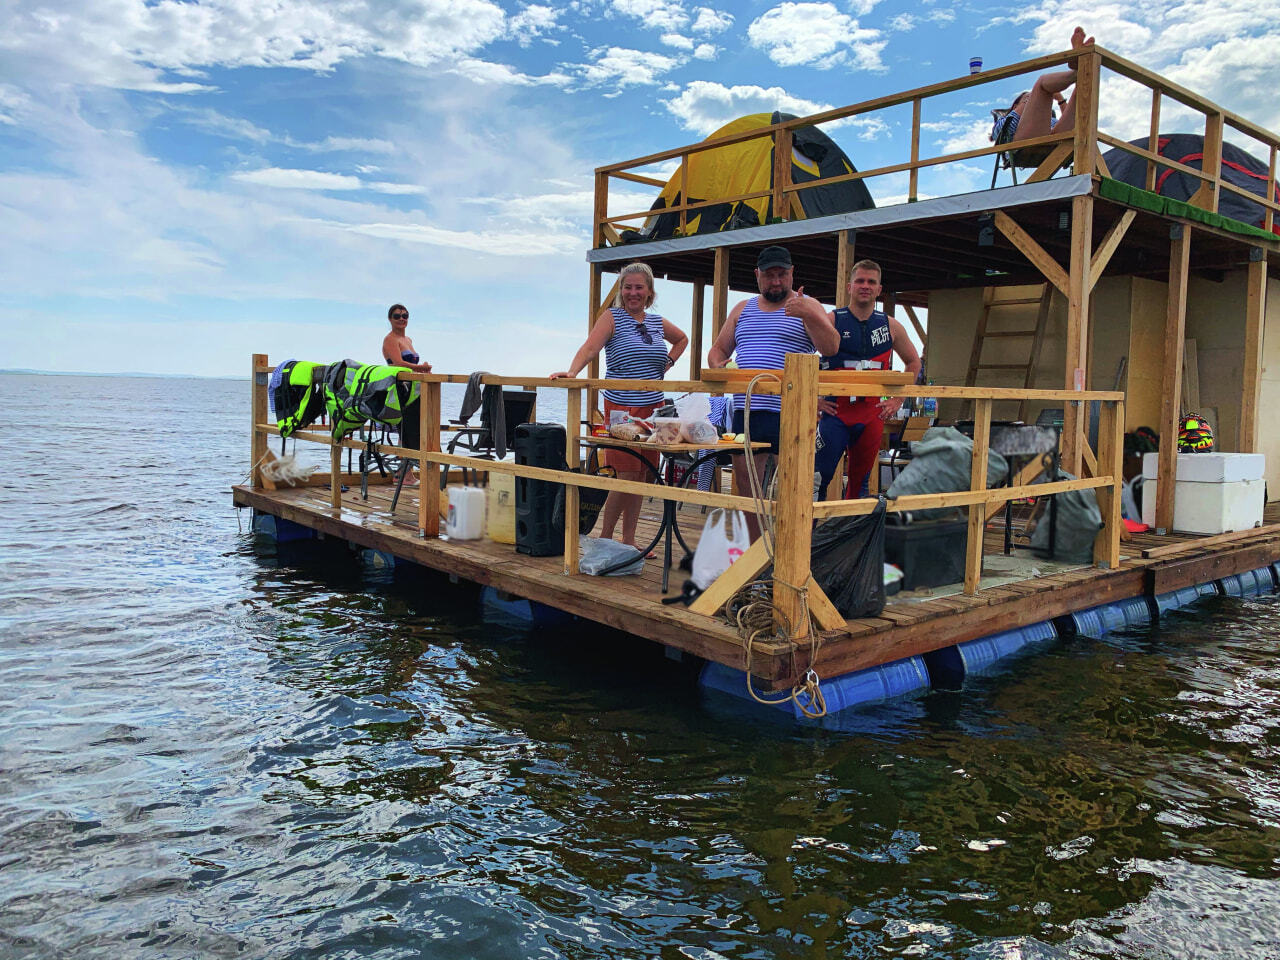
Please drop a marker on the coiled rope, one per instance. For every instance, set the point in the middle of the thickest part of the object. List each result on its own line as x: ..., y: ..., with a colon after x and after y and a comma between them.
x: 751, y: 609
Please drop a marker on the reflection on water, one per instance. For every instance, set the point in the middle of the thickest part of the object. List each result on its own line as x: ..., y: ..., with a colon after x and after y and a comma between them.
x: 209, y: 751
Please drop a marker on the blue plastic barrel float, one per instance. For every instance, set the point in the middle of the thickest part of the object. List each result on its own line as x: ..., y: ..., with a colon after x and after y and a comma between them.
x: 1251, y: 583
x: 505, y: 606
x: 949, y: 666
x: 1184, y: 597
x: 279, y: 529
x: 846, y: 692
x: 1098, y: 621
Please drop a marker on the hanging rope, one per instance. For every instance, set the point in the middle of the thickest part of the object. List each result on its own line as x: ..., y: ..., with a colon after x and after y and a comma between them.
x: 751, y: 608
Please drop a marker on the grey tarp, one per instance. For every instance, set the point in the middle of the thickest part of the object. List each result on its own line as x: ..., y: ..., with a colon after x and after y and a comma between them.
x: 1078, y: 521
x: 941, y: 462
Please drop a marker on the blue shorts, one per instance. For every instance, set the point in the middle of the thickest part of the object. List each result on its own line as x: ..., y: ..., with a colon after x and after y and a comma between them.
x: 765, y: 427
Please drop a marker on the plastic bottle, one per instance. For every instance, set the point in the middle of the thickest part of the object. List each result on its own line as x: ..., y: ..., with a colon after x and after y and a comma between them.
x: 929, y: 406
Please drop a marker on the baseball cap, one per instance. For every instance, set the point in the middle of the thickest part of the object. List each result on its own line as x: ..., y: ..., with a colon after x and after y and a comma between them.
x: 773, y: 257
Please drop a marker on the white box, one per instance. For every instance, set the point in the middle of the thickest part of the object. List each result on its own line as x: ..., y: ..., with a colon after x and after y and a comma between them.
x: 1215, y: 492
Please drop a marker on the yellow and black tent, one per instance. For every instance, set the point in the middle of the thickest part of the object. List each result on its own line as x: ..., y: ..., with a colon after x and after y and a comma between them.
x: 747, y: 167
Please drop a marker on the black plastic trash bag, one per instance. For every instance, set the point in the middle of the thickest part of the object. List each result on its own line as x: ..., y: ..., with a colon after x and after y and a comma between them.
x: 846, y: 559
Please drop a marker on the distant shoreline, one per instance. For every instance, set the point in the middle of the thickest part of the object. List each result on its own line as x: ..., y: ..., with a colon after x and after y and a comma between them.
x: 129, y: 374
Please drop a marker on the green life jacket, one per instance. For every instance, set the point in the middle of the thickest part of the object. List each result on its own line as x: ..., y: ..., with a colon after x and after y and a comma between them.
x: 297, y: 398
x: 357, y: 392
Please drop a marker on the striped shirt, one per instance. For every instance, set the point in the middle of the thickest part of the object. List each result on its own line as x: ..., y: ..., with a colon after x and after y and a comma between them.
x: 762, y: 339
x: 628, y: 357
x: 1007, y: 126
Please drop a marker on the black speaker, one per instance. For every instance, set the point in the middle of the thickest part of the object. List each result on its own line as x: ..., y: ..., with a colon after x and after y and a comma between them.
x: 537, y: 532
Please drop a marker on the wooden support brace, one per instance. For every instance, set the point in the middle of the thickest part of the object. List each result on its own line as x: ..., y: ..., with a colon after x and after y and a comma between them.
x: 977, y: 481
x: 429, y: 414
x: 794, y: 506
x: 1050, y: 164
x: 1107, y: 248
x: 1171, y: 392
x: 1043, y: 262
x: 1106, y: 545
x: 1251, y: 375
x: 720, y: 292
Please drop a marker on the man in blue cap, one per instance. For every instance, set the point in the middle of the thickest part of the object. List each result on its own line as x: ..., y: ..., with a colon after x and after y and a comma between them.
x: 758, y: 333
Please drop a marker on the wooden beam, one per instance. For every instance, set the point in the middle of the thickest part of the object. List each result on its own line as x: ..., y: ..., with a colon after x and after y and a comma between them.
x: 695, y: 331
x: 1175, y: 321
x: 1206, y: 197
x: 573, y: 459
x: 259, y: 404
x: 1102, y: 255
x: 335, y: 477
x: 1037, y: 345
x: 1038, y: 256
x: 1251, y: 375
x: 1085, y: 141
x: 593, y: 308
x: 915, y: 322
x: 913, y: 178
x: 1077, y: 356
x: 781, y: 172
x: 599, y: 209
x: 1106, y: 545
x: 720, y: 292
x: 977, y: 481
x: 844, y: 265
x: 1153, y: 138
x: 429, y: 414
x: 1050, y: 164
x: 684, y: 193
x: 794, y: 513
x: 1025, y: 476
x: 741, y: 572
x: 1268, y: 532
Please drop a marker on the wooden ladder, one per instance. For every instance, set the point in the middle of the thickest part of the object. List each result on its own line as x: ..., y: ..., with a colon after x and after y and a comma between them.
x: 1034, y: 336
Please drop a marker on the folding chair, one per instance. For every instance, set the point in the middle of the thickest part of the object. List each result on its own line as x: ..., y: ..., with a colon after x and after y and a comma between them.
x: 481, y: 441
x: 1026, y: 158
x: 898, y: 446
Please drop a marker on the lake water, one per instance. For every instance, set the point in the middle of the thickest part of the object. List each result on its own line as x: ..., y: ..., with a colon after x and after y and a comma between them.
x: 207, y: 751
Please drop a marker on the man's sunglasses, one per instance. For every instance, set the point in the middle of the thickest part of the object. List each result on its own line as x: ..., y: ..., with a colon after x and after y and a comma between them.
x: 399, y: 316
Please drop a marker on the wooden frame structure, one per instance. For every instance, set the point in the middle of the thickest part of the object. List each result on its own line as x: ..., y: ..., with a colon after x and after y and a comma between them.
x: 923, y: 250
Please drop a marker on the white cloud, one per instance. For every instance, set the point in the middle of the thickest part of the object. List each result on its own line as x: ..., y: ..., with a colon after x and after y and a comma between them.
x: 705, y: 51
x: 298, y: 179
x: 627, y: 67
x: 658, y: 14
x: 705, y: 106
x: 711, y: 21
x: 400, y: 189
x: 679, y: 41
x: 532, y: 23
x: 902, y: 22
x: 815, y: 34
x: 495, y: 243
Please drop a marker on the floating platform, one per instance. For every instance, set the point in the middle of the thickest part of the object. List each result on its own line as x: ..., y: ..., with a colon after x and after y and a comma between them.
x: 908, y: 627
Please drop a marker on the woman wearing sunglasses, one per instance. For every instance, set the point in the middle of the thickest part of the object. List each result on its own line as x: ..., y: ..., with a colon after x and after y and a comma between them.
x: 635, y: 348
x: 397, y: 350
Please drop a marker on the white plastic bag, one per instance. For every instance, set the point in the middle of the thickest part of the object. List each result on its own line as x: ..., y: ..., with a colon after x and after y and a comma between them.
x: 695, y: 419
x: 597, y: 554
x: 724, y: 540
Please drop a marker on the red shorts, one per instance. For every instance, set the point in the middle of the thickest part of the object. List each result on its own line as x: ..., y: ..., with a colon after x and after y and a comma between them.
x: 621, y: 460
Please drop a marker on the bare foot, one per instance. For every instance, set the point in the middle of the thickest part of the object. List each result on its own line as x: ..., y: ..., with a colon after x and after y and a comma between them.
x: 1078, y: 39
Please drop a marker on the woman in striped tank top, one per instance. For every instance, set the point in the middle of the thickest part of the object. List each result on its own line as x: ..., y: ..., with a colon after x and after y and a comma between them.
x: 634, y: 343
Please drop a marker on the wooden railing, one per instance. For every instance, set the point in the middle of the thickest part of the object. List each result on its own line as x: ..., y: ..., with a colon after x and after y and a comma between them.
x: 1080, y: 145
x: 793, y: 511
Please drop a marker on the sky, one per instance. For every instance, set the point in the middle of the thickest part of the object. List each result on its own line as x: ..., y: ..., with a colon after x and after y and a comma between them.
x: 184, y: 184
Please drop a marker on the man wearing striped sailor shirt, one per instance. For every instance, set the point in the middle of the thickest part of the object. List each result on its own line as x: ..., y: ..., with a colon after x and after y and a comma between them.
x: 758, y: 334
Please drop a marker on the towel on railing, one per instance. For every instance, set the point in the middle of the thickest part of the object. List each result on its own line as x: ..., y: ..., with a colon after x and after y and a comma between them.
x: 493, y: 412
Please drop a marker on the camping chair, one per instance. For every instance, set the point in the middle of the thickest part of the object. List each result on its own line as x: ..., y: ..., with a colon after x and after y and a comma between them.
x: 480, y: 441
x: 1027, y: 158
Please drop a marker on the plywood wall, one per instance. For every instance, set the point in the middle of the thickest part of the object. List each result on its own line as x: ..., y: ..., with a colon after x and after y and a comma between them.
x: 1270, y: 402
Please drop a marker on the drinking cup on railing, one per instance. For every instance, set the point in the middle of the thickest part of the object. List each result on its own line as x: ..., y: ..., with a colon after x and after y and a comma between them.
x: 975, y: 64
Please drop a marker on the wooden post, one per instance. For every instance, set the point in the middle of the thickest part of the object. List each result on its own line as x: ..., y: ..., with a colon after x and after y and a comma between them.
x: 781, y: 172
x: 1085, y: 142
x: 1251, y: 375
x: 1206, y: 197
x: 695, y: 331
x: 844, y: 265
x: 429, y: 414
x: 599, y: 210
x: 335, y: 474
x: 1153, y: 138
x: 977, y: 481
x: 913, y: 178
x: 1175, y: 320
x: 1270, y: 219
x: 794, y: 519
x: 1077, y: 355
x: 720, y: 292
x: 572, y: 457
x: 258, y: 411
x: 593, y: 308
x: 1106, y: 545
